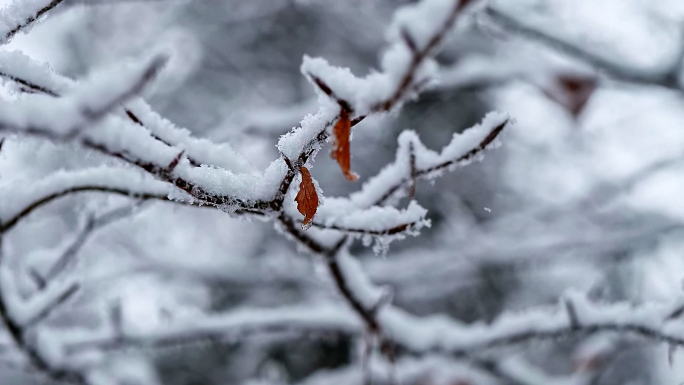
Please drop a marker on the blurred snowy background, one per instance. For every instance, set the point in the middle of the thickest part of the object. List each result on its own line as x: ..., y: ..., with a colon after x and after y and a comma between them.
x: 588, y: 196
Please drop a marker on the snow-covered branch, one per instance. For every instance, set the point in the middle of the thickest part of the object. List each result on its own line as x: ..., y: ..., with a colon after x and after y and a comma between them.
x: 398, y: 177
x: 16, y: 205
x: 66, y: 256
x: 147, y: 131
x: 16, y: 325
x: 647, y: 321
x: 669, y: 78
x: 21, y: 14
x: 84, y: 106
x: 133, y: 144
x: 412, y: 336
x: 460, y: 151
x: 407, y: 69
x: 576, y: 316
x: 33, y: 77
x: 317, y: 319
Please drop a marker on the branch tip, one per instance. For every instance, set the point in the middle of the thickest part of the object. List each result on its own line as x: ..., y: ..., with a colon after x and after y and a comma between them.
x: 321, y: 84
x: 408, y: 39
x: 175, y: 161
x: 572, y: 314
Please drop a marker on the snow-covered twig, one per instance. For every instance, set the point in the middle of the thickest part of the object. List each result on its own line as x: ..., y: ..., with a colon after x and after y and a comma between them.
x: 420, y: 335
x: 407, y: 69
x: 136, y: 146
x: 92, y: 224
x: 34, y: 77
x: 414, y: 336
x: 386, y: 231
x: 313, y: 319
x: 85, y: 106
x: 375, y: 221
x: 16, y: 205
x: 420, y: 50
x: 32, y: 87
x: 64, y: 295
x: 21, y: 14
x: 394, y: 176
x: 399, y: 175
x: 18, y: 335
x: 28, y: 86
x: 667, y: 79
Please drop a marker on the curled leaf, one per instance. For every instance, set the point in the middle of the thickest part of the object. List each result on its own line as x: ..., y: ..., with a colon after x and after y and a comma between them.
x: 341, y: 150
x: 307, y: 198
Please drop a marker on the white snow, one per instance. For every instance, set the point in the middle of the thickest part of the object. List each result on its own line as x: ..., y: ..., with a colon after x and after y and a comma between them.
x: 16, y: 14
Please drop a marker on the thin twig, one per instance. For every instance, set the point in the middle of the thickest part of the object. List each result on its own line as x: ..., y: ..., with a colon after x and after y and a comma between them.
x: 10, y: 223
x: 17, y: 333
x: 424, y: 173
x: 92, y: 224
x: 123, y: 341
x: 64, y: 296
x: 667, y: 79
x: 29, y: 86
x: 414, y: 171
x: 389, y: 231
x: 419, y: 56
x: 9, y: 35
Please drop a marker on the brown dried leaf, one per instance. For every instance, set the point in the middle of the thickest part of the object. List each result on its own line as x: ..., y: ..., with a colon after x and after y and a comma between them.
x: 342, y: 151
x: 307, y: 198
x: 571, y: 91
x: 579, y: 90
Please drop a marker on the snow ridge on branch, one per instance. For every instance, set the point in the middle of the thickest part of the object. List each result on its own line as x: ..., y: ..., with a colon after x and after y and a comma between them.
x: 20, y: 15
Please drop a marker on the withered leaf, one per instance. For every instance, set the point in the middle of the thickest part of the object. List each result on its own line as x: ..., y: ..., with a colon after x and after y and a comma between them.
x: 571, y: 91
x: 341, y: 149
x: 307, y: 198
x: 579, y: 90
